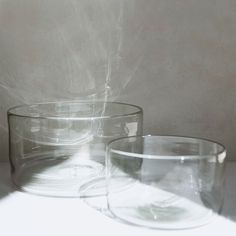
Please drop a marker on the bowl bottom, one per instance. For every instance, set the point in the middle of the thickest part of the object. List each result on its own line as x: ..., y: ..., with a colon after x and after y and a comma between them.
x: 58, y: 177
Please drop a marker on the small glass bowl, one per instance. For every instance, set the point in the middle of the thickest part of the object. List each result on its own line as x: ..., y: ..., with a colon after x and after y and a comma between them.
x: 165, y: 182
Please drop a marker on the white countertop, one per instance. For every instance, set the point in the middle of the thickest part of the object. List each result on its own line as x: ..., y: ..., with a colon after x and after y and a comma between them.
x: 29, y: 215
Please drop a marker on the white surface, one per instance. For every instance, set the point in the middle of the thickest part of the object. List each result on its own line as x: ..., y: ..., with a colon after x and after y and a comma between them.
x: 30, y: 215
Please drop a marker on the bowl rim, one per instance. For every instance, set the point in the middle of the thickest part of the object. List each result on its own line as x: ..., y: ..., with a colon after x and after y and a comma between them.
x: 13, y: 111
x: 221, y: 154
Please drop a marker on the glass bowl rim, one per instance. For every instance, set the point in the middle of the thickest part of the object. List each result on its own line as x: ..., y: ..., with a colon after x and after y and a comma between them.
x: 221, y: 154
x: 13, y: 110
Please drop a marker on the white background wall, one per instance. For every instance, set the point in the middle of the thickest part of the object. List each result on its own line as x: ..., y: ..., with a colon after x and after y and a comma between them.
x: 175, y: 58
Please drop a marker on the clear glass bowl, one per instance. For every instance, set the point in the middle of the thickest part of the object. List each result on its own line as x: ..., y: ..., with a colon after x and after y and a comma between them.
x: 57, y: 147
x: 165, y: 182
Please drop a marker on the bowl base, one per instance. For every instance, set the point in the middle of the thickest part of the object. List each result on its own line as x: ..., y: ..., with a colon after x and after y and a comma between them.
x: 60, y: 177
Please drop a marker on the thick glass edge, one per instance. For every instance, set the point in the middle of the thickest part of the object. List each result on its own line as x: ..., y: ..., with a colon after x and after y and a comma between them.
x: 10, y: 111
x: 221, y: 153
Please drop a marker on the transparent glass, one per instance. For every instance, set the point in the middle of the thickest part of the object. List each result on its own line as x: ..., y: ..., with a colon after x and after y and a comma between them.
x: 57, y: 147
x: 165, y: 182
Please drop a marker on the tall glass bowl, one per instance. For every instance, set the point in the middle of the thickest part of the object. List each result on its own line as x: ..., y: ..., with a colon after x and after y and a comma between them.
x: 57, y: 147
x: 165, y: 182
